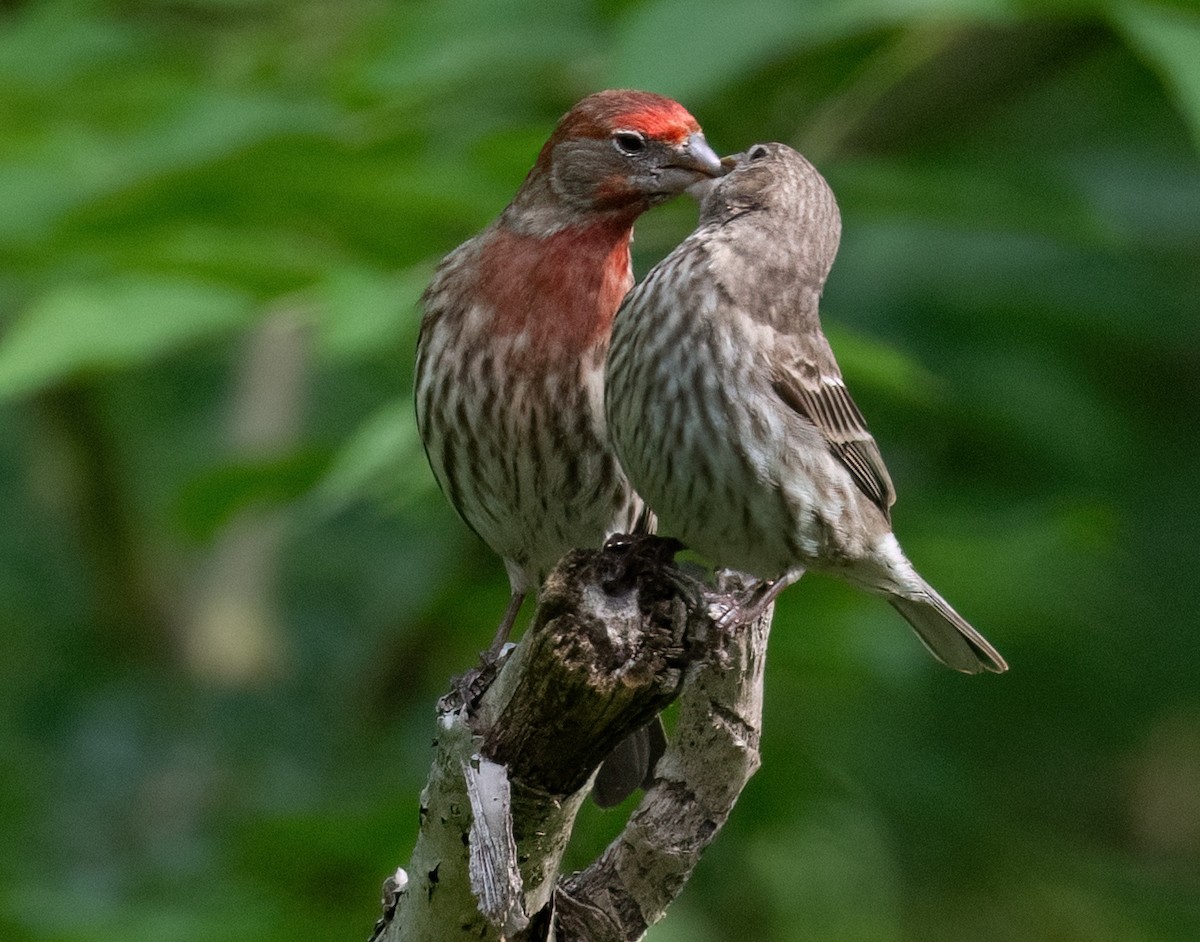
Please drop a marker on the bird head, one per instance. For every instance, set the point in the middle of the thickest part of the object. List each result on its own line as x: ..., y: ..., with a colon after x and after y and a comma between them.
x: 776, y: 192
x: 623, y: 151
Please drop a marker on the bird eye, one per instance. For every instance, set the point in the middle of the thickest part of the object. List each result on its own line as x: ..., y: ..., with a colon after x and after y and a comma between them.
x: 757, y: 152
x: 629, y: 142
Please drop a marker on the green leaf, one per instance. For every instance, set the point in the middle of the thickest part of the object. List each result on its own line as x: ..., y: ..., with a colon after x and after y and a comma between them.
x: 870, y: 363
x: 213, y: 498
x: 1169, y: 39
x: 112, y: 324
x: 71, y: 163
x: 49, y: 44
x: 487, y: 46
x: 383, y: 460
x: 363, y: 312
x: 740, y: 37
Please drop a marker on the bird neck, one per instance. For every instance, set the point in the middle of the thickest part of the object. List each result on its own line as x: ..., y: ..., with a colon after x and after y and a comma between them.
x: 557, y: 294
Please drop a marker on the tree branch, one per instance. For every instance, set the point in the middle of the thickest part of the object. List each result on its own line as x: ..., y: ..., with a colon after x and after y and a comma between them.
x: 618, y: 635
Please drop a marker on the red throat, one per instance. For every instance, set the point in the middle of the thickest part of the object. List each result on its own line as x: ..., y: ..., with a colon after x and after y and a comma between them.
x: 562, y: 291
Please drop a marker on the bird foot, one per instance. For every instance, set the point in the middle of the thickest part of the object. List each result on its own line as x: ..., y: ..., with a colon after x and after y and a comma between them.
x: 732, y: 610
x: 469, y: 686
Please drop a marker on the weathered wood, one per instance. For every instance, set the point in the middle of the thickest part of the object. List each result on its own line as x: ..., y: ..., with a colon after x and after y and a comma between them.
x: 711, y: 757
x: 618, y: 634
x: 606, y: 653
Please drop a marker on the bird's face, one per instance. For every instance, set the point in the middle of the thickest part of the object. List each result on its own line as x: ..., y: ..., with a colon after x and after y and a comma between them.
x: 626, y: 150
x: 777, y: 196
x: 770, y: 177
x: 750, y: 175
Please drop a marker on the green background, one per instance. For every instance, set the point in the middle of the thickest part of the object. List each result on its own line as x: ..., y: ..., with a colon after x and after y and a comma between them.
x: 230, y: 592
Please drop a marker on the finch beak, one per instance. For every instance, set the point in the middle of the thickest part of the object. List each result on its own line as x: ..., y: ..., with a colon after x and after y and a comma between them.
x: 715, y: 168
x: 695, y: 154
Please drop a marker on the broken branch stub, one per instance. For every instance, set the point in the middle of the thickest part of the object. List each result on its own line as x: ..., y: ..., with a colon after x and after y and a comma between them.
x: 618, y: 635
x: 606, y: 653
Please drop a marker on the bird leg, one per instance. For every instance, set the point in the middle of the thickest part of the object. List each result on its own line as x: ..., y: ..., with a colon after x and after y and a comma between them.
x: 467, y: 687
x: 505, y: 628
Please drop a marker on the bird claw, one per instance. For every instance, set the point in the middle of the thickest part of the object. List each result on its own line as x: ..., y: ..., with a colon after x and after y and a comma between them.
x: 735, y: 610
x: 469, y: 686
x: 725, y: 610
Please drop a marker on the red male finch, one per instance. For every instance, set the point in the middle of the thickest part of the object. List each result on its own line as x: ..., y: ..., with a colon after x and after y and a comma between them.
x: 729, y: 414
x: 510, y: 360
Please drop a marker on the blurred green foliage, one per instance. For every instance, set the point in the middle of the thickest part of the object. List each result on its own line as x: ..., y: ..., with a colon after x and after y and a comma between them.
x: 230, y: 593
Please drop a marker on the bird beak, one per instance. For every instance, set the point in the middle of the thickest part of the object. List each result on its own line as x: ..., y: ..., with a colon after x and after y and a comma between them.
x: 713, y: 172
x: 695, y: 154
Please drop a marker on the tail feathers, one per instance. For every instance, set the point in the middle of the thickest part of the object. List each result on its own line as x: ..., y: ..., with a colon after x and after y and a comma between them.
x: 630, y: 765
x: 947, y: 635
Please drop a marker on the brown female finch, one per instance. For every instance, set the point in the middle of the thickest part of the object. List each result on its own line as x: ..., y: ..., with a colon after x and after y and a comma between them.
x: 730, y: 417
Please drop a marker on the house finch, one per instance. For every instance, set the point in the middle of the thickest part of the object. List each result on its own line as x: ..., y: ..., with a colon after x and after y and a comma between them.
x: 510, y: 360
x: 729, y: 414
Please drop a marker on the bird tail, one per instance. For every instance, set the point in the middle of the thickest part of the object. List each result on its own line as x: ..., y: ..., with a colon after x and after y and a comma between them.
x: 630, y: 766
x: 947, y: 634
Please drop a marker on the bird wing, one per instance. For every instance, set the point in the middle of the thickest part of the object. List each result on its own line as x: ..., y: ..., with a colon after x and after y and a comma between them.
x: 826, y: 403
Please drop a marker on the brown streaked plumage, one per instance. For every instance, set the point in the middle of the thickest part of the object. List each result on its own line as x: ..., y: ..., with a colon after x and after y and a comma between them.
x: 510, y: 359
x: 729, y: 414
x: 515, y: 330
